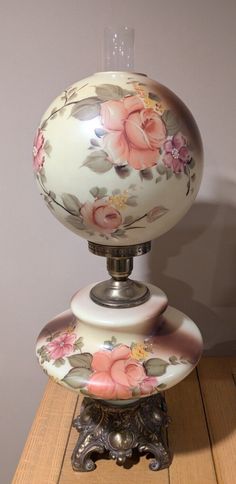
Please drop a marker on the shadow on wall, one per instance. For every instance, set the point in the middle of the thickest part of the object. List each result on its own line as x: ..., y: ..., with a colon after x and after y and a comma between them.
x: 200, y: 252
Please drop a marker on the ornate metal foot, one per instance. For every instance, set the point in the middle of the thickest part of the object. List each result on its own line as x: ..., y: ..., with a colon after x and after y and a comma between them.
x: 118, y: 430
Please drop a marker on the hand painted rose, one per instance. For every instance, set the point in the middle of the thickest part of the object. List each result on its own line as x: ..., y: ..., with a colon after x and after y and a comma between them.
x: 135, y: 133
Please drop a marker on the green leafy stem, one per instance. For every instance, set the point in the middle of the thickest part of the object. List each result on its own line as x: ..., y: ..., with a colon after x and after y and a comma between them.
x: 49, y: 195
x: 66, y: 103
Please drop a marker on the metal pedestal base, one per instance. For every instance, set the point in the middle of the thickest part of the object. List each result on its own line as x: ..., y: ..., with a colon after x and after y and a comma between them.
x: 118, y: 430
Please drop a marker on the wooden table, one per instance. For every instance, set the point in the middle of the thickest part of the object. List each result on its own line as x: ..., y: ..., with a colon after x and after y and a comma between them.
x: 202, y: 435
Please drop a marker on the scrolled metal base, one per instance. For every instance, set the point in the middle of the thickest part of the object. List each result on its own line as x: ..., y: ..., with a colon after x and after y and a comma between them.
x: 119, y: 430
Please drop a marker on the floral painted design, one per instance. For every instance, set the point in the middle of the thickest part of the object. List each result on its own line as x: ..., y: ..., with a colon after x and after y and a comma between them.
x: 135, y: 133
x: 114, y: 372
x: 104, y: 215
x: 38, y: 151
x: 134, y: 126
x: 139, y: 351
x: 61, y: 346
x: 176, y: 153
x: 101, y: 215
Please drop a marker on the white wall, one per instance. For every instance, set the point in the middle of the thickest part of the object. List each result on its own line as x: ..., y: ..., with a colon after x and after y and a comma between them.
x: 44, y: 46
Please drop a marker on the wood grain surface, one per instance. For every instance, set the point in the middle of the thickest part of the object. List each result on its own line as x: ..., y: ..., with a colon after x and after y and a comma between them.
x: 202, y: 435
x: 217, y: 381
x: 44, y: 450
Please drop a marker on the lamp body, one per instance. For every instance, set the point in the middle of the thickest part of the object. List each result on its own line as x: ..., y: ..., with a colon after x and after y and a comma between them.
x: 119, y: 355
x: 118, y: 158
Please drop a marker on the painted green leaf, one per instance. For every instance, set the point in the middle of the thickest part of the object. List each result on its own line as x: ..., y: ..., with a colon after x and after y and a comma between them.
x: 47, y: 148
x: 89, y: 111
x: 109, y: 344
x: 111, y: 91
x: 128, y: 220
x: 186, y: 170
x: 52, y: 195
x: 171, y: 121
x: 156, y: 213
x: 119, y: 233
x: 94, y: 142
x: 102, y: 192
x: 85, y: 102
x: 76, y: 222
x: 146, y: 174
x: 82, y: 360
x: 98, y: 162
x: 44, y: 125
x: 71, y: 203
x: 42, y: 176
x: 192, y: 163
x: 173, y: 360
x: 86, y: 109
x: 94, y: 191
x: 59, y: 362
x: 77, y: 377
x: 169, y: 173
x: 161, y: 169
x: 71, y: 91
x: 78, y: 344
x: 154, y: 96
x: 42, y: 352
x: 100, y: 132
x: 98, y: 192
x: 155, y: 366
x: 158, y: 179
x: 122, y: 171
x: 136, y: 392
x: 132, y: 201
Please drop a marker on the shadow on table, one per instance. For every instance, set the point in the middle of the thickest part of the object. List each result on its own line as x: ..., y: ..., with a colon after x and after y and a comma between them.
x: 201, y: 250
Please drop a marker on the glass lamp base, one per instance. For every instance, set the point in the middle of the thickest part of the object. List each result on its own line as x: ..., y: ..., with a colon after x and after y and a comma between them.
x: 119, y: 355
x: 118, y: 431
x: 120, y: 360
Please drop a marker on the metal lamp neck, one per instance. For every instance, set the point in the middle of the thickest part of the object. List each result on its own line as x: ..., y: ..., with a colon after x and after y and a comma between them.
x: 119, y: 291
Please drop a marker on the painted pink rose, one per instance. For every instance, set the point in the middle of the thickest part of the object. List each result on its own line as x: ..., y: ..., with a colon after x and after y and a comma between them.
x: 135, y: 133
x: 100, y: 216
x: 61, y: 346
x: 177, y: 154
x: 148, y: 385
x: 38, y: 152
x: 116, y: 373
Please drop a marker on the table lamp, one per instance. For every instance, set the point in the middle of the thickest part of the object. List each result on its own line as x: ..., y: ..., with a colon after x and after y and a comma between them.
x: 118, y: 159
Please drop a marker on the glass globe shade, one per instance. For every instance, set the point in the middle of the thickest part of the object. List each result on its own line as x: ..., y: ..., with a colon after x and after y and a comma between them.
x: 118, y: 158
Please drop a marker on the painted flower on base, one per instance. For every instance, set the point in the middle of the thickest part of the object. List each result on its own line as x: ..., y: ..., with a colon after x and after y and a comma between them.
x: 148, y: 385
x: 177, y: 154
x: 61, y: 346
x: 101, y: 216
x: 135, y: 133
x: 116, y: 373
x: 38, y: 151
